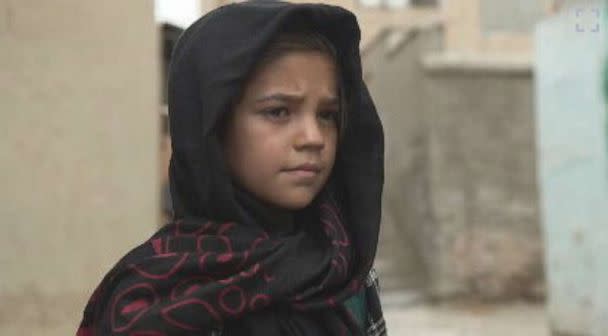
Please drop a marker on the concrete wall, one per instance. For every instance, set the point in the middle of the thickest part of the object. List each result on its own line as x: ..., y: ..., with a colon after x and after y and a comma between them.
x: 485, y: 234
x: 461, y: 191
x: 394, y: 76
x: 78, y: 118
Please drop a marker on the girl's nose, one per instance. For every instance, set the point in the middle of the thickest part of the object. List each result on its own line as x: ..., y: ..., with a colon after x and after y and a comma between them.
x: 310, y: 134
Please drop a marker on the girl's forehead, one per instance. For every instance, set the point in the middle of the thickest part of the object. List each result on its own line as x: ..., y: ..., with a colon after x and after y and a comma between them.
x: 296, y: 71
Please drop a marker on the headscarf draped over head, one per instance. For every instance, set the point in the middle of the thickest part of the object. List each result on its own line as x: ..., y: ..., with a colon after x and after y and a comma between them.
x: 214, y: 268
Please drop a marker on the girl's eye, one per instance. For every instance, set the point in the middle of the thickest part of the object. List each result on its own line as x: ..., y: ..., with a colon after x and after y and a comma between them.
x: 329, y: 115
x: 277, y: 113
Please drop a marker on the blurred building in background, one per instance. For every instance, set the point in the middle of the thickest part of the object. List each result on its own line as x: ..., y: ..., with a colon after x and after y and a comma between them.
x: 455, y: 93
x: 84, y: 103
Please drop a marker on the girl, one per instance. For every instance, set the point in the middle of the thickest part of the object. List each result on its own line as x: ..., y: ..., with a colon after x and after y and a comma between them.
x: 276, y: 179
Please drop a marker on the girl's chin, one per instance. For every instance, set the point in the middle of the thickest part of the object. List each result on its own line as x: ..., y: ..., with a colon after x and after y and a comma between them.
x: 294, y: 202
x: 294, y: 205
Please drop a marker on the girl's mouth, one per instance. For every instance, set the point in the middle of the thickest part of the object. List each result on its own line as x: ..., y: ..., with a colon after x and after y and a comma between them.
x: 304, y: 171
x: 301, y: 173
x: 309, y: 167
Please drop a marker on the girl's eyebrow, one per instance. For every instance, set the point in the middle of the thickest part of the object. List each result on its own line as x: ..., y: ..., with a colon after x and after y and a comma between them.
x: 284, y: 97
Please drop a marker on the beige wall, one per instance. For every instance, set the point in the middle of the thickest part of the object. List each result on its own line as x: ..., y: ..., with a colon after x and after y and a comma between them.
x: 394, y: 77
x: 464, y: 28
x: 79, y: 90
x: 519, y: 16
x: 485, y: 235
x: 460, y: 157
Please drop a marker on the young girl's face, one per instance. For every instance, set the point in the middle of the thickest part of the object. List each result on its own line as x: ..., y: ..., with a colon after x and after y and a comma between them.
x: 280, y: 143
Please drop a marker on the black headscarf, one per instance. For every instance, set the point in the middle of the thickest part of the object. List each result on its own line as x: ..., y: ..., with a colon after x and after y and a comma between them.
x: 222, y: 264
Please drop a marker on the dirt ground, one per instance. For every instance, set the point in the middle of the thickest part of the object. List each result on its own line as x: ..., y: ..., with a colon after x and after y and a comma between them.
x: 466, y: 319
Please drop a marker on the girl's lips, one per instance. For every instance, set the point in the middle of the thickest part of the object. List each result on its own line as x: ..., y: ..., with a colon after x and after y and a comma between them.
x: 307, y: 172
x: 302, y: 173
x: 311, y: 167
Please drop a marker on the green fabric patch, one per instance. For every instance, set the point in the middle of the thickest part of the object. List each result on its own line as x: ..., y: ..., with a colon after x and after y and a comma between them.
x: 357, y: 305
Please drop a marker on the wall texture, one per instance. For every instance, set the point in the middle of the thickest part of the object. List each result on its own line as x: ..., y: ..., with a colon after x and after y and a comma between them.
x: 461, y: 189
x: 394, y: 76
x: 485, y: 234
x: 78, y: 118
